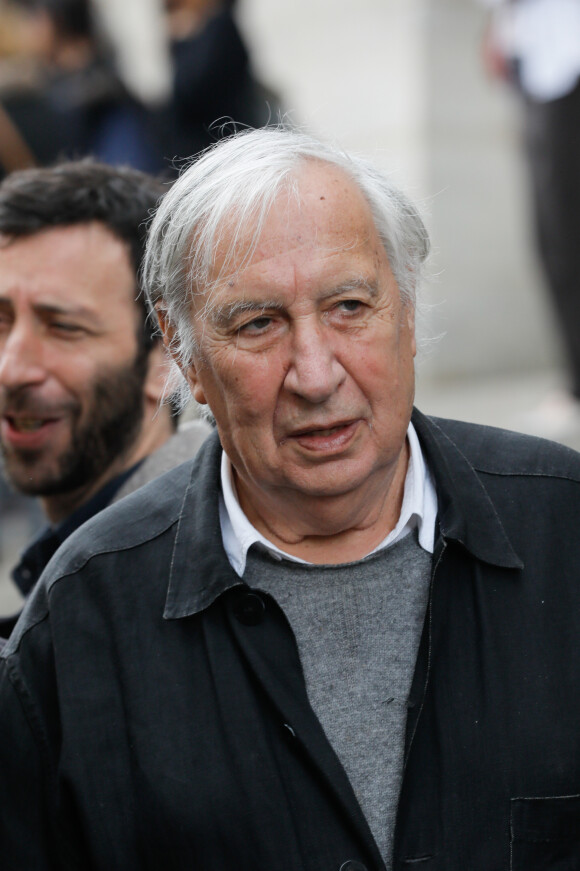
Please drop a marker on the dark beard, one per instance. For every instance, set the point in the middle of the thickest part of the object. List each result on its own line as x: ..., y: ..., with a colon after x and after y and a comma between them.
x: 112, y: 425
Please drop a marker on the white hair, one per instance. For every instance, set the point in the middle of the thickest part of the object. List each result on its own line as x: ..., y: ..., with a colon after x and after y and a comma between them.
x: 230, y: 190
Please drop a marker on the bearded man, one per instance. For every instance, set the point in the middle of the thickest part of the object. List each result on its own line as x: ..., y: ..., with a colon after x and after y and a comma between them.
x: 82, y: 371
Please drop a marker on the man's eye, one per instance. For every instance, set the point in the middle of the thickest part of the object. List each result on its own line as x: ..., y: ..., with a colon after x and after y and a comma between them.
x: 350, y: 305
x: 63, y: 327
x: 258, y: 325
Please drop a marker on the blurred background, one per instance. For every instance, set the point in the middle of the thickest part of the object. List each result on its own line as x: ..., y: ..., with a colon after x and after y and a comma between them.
x: 403, y: 81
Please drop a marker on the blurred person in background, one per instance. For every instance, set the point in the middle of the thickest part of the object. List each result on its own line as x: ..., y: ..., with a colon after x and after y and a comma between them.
x: 82, y: 371
x: 78, y: 104
x: 213, y: 80
x: 535, y: 45
x: 18, y: 76
x: 90, y: 97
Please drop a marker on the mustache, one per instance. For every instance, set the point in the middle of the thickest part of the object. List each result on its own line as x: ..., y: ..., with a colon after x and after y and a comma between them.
x: 24, y: 402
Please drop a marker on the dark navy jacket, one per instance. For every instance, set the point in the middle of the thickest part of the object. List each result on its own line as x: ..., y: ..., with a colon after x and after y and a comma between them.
x: 153, y: 713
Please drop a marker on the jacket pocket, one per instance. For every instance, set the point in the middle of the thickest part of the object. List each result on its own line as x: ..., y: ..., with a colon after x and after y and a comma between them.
x: 545, y: 833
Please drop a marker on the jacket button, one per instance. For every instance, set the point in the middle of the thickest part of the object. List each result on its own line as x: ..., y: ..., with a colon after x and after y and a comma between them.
x: 352, y: 865
x: 250, y: 609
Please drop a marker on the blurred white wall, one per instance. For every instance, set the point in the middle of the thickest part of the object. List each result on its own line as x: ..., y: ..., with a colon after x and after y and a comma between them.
x: 492, y: 301
x: 135, y: 31
x: 353, y: 70
x: 401, y: 80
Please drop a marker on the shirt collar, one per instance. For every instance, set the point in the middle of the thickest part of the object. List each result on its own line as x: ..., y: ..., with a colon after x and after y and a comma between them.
x: 419, y: 510
x: 200, y: 570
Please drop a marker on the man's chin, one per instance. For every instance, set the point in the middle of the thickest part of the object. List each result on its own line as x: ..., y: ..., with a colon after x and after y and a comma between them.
x: 29, y: 477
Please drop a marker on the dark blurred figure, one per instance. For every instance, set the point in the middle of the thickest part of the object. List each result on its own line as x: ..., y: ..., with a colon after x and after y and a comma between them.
x: 78, y: 105
x: 535, y: 45
x: 212, y: 77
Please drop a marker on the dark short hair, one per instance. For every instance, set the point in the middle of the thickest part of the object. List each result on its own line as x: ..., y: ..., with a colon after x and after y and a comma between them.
x: 78, y: 192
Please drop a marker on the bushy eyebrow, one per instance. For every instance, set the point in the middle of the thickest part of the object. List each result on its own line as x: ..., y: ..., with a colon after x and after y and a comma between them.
x: 53, y: 308
x: 67, y: 311
x: 223, y: 315
x: 369, y: 287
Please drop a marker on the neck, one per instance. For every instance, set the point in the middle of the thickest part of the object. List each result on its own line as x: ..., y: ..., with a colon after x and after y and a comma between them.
x: 157, y: 428
x: 348, y: 527
x: 57, y: 507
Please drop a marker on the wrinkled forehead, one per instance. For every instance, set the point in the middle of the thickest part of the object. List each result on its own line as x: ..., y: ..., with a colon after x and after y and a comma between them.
x: 319, y: 207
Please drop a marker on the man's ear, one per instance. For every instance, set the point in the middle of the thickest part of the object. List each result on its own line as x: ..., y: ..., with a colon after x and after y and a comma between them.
x: 190, y: 374
x: 409, y: 314
x: 158, y: 373
x: 165, y: 325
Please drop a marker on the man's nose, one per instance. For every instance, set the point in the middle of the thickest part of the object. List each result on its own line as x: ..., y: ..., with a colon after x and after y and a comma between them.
x: 22, y: 360
x: 315, y: 372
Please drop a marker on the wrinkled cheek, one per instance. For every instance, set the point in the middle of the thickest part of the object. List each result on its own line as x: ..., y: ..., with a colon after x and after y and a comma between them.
x: 246, y: 412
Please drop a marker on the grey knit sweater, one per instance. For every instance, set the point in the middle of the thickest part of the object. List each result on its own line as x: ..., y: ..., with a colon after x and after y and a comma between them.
x: 357, y: 627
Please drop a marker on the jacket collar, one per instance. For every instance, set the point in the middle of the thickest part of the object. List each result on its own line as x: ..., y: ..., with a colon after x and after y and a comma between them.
x: 466, y: 513
x: 200, y: 570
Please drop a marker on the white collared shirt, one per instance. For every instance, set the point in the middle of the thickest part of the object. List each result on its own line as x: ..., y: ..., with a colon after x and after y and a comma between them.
x: 544, y: 35
x: 419, y: 510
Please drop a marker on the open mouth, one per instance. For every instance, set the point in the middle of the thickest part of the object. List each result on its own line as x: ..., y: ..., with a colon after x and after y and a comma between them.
x: 331, y: 438
x: 27, y: 424
x: 323, y: 433
x: 26, y: 430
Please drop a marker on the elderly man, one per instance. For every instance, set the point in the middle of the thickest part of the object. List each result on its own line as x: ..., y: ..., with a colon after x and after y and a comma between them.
x: 343, y: 639
x: 81, y: 369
